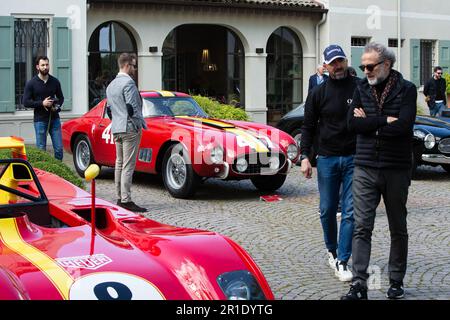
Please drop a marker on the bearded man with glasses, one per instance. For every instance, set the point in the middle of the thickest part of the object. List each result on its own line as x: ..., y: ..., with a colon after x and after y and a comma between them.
x: 435, y: 93
x: 382, y: 115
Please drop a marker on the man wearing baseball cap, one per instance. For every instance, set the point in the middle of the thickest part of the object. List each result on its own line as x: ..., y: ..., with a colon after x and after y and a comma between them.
x: 326, y: 117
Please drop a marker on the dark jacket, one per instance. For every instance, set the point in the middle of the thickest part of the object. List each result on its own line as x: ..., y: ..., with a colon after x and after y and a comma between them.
x: 379, y: 144
x: 35, y: 93
x: 326, y: 115
x: 436, y: 90
x: 313, y: 81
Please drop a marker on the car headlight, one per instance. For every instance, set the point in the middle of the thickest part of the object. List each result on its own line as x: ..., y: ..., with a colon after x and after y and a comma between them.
x: 292, y: 151
x: 429, y: 141
x: 419, y: 134
x: 240, y: 285
x: 217, y: 154
x: 274, y: 163
x: 241, y: 164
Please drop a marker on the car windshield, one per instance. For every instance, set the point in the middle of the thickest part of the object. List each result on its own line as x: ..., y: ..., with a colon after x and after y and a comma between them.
x: 173, y: 106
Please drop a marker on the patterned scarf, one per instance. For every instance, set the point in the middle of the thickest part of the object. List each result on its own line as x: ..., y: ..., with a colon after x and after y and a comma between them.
x: 393, y: 77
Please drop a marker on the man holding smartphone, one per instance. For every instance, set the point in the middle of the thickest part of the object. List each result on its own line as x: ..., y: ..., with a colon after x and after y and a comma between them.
x: 43, y: 93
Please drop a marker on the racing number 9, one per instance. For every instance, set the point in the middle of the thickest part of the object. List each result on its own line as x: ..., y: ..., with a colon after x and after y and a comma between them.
x: 113, y: 286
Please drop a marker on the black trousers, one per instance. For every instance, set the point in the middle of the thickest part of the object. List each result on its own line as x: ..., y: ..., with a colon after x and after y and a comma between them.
x: 369, y: 184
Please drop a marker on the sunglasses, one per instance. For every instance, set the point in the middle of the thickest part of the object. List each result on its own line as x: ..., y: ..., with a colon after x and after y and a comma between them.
x: 438, y: 72
x: 369, y: 67
x: 133, y: 65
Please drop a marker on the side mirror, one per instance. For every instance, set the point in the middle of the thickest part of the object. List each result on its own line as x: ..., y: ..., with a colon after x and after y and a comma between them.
x: 21, y: 173
x: 92, y: 172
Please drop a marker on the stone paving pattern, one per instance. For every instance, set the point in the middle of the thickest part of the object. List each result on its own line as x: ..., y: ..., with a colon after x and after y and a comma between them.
x: 285, y: 238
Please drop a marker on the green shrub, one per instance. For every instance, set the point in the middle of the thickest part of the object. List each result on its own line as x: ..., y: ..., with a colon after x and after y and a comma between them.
x: 44, y: 161
x: 447, y: 79
x: 421, y: 111
x: 220, y: 111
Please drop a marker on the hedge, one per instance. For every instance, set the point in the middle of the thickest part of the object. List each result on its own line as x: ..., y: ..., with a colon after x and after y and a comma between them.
x: 447, y: 79
x: 220, y: 111
x: 44, y: 161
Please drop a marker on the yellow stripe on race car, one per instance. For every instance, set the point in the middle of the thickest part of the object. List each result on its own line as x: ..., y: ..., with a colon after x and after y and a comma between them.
x: 247, y: 137
x: 10, y: 236
x: 166, y: 93
x: 215, y: 123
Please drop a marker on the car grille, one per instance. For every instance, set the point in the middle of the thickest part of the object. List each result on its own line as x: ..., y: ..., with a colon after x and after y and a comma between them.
x: 444, y: 145
x: 257, y: 162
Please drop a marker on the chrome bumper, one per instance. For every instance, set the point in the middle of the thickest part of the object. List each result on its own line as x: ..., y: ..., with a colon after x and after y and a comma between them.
x: 226, y: 170
x: 436, y: 158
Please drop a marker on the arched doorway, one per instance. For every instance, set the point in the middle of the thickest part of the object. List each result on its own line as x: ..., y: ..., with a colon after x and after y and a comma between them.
x: 284, y: 73
x: 206, y: 60
x: 107, y: 42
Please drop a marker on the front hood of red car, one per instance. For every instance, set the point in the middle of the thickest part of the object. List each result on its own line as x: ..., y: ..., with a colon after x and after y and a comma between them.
x: 239, y: 137
x: 137, y: 261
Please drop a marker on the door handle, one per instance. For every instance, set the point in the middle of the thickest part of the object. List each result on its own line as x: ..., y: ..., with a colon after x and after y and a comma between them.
x: 101, y: 125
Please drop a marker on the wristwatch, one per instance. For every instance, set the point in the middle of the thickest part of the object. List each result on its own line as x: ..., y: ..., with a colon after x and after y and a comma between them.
x: 303, y: 157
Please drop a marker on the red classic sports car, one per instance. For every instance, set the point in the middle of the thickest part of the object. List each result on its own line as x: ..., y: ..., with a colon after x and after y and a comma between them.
x: 186, y: 146
x: 49, y: 249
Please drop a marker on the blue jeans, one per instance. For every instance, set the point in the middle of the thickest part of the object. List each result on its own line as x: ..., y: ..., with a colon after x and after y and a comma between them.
x: 332, y: 172
x: 55, y: 134
x: 436, y: 110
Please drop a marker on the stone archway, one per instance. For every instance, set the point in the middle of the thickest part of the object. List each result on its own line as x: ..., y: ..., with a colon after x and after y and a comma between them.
x: 106, y: 43
x: 204, y: 59
x: 284, y: 73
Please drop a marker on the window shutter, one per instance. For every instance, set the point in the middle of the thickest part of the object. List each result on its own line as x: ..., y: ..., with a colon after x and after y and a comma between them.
x: 415, y: 61
x: 62, y: 58
x: 356, y: 53
x: 7, y: 89
x: 444, y: 55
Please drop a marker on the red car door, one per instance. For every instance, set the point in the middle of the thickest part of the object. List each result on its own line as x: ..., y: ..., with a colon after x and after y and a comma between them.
x: 103, y: 144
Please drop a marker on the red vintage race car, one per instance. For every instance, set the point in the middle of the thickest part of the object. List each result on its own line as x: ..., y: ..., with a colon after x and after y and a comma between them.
x: 186, y: 146
x: 50, y: 248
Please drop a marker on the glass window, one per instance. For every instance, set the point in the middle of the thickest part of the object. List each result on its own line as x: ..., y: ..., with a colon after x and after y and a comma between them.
x: 107, y: 42
x: 284, y: 73
x: 30, y: 41
x: 206, y: 60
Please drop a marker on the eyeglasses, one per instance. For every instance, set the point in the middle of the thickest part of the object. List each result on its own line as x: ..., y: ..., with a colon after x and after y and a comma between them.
x: 370, y: 67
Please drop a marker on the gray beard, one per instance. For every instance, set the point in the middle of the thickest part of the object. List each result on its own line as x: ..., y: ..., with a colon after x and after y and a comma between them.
x: 379, y: 79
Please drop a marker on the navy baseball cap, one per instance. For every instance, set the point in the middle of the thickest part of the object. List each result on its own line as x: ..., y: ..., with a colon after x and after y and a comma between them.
x: 333, y: 52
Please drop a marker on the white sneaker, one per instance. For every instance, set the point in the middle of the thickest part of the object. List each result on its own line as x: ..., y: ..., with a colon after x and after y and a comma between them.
x: 332, y: 261
x: 342, y: 271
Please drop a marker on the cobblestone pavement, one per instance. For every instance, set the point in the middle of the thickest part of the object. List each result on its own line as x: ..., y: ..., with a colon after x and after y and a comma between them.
x: 285, y: 238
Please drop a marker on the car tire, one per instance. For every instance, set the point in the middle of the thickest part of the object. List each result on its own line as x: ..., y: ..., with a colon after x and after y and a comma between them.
x: 297, y: 135
x: 269, y: 183
x: 178, y: 175
x: 446, y: 167
x: 82, y: 154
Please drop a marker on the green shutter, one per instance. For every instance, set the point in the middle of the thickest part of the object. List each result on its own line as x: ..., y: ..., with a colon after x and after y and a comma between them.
x: 415, y: 61
x: 62, y: 58
x: 356, y: 53
x: 7, y: 88
x: 444, y: 55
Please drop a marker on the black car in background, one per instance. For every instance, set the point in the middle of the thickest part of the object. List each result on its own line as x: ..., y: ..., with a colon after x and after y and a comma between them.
x: 431, y: 139
x: 432, y: 142
x: 292, y: 123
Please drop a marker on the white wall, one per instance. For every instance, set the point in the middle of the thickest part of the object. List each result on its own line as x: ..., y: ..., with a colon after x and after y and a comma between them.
x: 151, y: 26
x: 20, y: 123
x: 378, y: 20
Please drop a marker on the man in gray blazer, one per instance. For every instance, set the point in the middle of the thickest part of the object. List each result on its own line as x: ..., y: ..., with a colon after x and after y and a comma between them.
x: 125, y: 103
